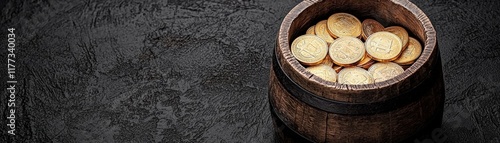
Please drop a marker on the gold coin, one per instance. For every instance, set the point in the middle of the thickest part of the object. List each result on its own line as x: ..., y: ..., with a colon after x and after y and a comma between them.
x: 370, y: 26
x: 354, y: 75
x: 310, y: 30
x: 346, y: 51
x: 383, y: 46
x: 406, y: 64
x: 385, y: 70
x: 321, y: 31
x: 344, y: 24
x: 400, y: 32
x: 309, y: 49
x: 324, y: 72
x: 411, y: 53
x: 366, y: 62
x: 327, y: 61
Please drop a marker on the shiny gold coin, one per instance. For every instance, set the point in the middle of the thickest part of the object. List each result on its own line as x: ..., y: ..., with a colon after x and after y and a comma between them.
x: 344, y: 24
x: 354, y: 75
x: 411, y: 53
x: 383, y: 46
x: 321, y: 31
x: 366, y: 62
x: 400, y: 32
x: 346, y: 51
x: 385, y: 70
x: 324, y: 72
x: 406, y: 64
x: 370, y: 26
x: 310, y: 30
x: 309, y: 49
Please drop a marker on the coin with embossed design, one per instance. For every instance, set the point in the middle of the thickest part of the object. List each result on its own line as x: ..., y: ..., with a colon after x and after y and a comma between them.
x: 411, y: 53
x: 323, y: 71
x: 383, y: 46
x: 354, y: 75
x: 400, y: 32
x: 385, y: 70
x: 344, y: 24
x: 369, y: 27
x: 346, y: 51
x: 321, y: 31
x: 309, y: 49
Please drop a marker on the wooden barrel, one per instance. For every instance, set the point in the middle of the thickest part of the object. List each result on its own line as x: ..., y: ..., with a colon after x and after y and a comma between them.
x: 323, y: 111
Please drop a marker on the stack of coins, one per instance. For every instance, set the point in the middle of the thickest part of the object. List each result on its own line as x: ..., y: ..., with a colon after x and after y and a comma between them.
x: 345, y: 50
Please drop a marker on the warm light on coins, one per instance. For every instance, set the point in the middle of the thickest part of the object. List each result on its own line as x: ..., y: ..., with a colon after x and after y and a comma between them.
x: 323, y: 71
x: 355, y: 75
x: 384, y: 70
x: 383, y: 46
x: 344, y: 24
x: 321, y: 31
x: 311, y: 30
x: 411, y: 53
x: 400, y: 32
x: 344, y: 50
x: 309, y: 49
x: 370, y: 26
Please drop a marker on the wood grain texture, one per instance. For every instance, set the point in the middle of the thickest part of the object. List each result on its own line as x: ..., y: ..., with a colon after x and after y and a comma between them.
x: 409, y: 16
x: 198, y: 70
x: 423, y: 78
x: 393, y: 126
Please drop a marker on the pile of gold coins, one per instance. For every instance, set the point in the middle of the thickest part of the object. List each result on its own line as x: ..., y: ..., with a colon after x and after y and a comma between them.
x: 334, y: 50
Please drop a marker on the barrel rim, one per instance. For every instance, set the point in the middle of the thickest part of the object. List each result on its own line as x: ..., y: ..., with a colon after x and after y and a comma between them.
x: 429, y: 50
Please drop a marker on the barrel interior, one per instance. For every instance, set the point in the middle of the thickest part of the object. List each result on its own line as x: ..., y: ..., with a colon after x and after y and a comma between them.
x: 423, y: 80
x: 385, y: 12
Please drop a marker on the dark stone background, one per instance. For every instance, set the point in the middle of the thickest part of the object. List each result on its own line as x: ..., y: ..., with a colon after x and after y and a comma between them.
x: 197, y: 71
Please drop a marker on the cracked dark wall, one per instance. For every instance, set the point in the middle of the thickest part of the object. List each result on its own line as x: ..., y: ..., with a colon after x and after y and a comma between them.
x: 197, y: 71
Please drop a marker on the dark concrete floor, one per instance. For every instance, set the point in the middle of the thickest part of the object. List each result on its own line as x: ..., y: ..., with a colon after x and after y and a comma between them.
x: 197, y: 71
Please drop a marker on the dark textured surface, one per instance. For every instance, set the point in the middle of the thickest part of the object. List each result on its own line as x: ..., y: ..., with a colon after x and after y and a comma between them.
x: 197, y: 71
